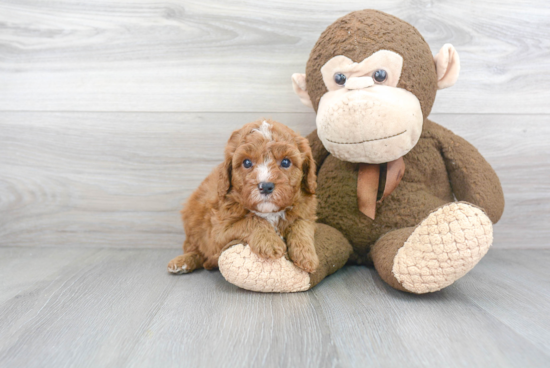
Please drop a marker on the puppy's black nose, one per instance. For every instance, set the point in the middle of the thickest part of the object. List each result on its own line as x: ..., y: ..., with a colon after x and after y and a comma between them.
x: 266, y: 188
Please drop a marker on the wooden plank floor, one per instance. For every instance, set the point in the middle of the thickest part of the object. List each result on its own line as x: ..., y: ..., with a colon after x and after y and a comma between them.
x: 92, y: 307
x: 104, y: 107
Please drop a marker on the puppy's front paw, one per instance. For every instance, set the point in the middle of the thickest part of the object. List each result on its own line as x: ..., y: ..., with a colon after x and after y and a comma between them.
x: 185, y: 263
x: 268, y: 247
x: 178, y: 265
x: 304, y: 258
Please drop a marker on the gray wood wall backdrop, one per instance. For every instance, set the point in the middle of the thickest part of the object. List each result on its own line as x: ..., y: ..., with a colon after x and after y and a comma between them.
x: 112, y: 112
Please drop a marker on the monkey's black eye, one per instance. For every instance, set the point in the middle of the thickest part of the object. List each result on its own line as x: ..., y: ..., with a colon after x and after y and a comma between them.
x: 340, y: 79
x: 380, y: 75
x: 286, y: 163
x: 247, y: 164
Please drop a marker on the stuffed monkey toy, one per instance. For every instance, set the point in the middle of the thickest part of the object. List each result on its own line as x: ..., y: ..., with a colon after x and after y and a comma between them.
x: 395, y: 189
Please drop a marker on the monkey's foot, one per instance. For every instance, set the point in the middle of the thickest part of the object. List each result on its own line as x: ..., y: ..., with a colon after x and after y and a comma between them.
x: 243, y: 268
x: 443, y: 248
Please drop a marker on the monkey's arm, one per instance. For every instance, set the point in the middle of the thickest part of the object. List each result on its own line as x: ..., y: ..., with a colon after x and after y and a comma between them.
x: 472, y: 178
x: 317, y: 149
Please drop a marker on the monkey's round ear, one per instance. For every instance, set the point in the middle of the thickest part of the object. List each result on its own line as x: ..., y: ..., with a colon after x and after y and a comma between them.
x: 447, y: 65
x: 299, y: 86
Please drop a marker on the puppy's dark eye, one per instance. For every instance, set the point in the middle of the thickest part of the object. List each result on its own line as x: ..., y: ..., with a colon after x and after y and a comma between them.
x: 340, y: 79
x: 380, y: 75
x: 247, y: 164
x: 286, y: 163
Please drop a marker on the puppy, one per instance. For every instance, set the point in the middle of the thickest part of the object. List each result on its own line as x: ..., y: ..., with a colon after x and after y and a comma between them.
x: 263, y: 194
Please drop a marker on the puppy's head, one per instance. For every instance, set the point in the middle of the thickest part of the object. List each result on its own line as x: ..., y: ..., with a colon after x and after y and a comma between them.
x: 267, y: 166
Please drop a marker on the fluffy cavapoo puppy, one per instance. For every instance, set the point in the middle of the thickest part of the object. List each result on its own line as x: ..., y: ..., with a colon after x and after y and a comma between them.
x: 263, y: 194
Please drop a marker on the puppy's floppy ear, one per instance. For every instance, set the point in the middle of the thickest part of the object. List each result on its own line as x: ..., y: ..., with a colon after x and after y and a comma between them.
x: 225, y: 169
x: 309, y: 180
x: 224, y: 178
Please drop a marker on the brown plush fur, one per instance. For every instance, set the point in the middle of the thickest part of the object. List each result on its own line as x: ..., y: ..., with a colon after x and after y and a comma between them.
x: 383, y: 252
x: 228, y: 207
x: 333, y: 251
x: 358, y: 35
x: 440, y: 169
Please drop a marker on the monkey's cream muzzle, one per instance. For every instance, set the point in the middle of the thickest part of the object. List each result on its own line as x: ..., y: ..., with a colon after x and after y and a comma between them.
x: 369, y: 123
x: 363, y: 120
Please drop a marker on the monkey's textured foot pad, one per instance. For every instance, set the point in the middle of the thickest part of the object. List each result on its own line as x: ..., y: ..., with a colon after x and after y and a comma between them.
x: 443, y: 248
x: 243, y: 268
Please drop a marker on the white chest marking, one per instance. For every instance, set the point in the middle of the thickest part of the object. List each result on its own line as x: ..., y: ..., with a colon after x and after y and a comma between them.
x: 267, y: 207
x: 272, y: 217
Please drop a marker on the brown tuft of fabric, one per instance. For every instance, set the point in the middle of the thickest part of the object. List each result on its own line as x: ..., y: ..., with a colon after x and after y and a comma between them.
x: 440, y: 167
x: 384, y: 251
x: 358, y: 35
x: 333, y: 251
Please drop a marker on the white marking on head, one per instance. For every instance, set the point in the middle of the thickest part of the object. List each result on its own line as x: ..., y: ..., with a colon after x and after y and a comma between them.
x: 265, y: 130
x: 264, y: 174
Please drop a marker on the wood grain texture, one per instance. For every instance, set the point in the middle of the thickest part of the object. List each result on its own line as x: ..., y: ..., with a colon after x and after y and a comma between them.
x: 23, y: 269
x: 214, y: 55
x: 112, y: 113
x: 119, y: 179
x: 120, y: 308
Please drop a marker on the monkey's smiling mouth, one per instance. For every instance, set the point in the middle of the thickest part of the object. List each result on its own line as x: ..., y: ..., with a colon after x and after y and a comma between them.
x: 369, y: 140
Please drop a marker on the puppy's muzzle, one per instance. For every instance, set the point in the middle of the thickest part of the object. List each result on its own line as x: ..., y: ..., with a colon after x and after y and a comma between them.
x: 266, y: 187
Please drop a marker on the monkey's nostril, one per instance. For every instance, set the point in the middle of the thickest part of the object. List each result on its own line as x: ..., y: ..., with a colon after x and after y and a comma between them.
x: 266, y: 187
